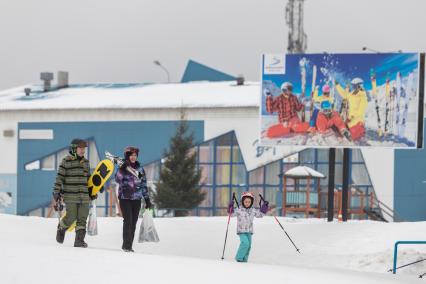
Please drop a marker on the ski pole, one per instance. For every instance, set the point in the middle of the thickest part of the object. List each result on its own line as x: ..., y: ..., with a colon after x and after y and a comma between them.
x: 421, y: 275
x: 235, y: 199
x: 276, y: 219
x: 414, y: 262
x: 227, y: 227
x: 298, y: 250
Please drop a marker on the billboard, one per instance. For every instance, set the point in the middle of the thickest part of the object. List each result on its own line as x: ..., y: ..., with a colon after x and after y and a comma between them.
x: 342, y: 100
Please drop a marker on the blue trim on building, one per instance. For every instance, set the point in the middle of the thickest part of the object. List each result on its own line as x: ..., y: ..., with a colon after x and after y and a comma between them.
x: 198, y: 72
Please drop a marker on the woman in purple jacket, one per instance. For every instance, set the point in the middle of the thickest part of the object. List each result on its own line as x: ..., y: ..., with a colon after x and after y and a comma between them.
x: 131, y: 190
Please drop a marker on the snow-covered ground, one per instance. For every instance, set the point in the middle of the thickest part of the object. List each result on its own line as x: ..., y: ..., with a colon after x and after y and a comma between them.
x: 189, y: 251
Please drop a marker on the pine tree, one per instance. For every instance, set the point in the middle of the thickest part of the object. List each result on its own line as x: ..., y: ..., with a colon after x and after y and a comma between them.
x: 178, y: 186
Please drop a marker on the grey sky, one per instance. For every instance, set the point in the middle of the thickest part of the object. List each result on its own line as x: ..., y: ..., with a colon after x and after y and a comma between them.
x: 116, y: 41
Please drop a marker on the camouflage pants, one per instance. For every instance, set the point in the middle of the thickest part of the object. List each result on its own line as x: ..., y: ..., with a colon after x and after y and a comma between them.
x: 75, y: 212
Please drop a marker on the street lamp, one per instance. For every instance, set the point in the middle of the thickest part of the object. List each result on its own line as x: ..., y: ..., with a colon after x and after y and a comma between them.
x: 376, y: 51
x: 156, y: 62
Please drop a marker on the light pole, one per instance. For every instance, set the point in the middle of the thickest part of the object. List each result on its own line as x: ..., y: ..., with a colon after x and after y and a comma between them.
x: 156, y: 62
x: 365, y: 48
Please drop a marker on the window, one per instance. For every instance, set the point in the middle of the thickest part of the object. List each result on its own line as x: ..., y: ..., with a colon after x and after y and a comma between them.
x: 357, y: 155
x: 45, y: 164
x: 237, y: 157
x: 224, y: 140
x: 35, y: 165
x: 222, y: 196
x: 208, y: 199
x: 238, y: 174
x: 324, y: 170
x: 256, y: 176
x: 272, y: 194
x: 206, y: 151
x: 206, y: 174
x: 272, y: 172
x: 223, y: 148
x: 48, y: 163
x: 307, y: 156
x: 339, y: 155
x: 223, y: 154
x: 323, y: 155
x: 42, y: 134
x: 360, y: 175
x: 292, y: 158
x: 223, y: 174
x: 338, y: 174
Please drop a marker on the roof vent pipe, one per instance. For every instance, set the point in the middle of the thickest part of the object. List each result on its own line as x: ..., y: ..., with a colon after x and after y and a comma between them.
x: 240, y: 80
x: 27, y: 91
x: 46, y: 77
x: 62, y: 79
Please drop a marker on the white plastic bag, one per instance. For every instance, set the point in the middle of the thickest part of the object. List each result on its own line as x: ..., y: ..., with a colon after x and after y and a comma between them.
x: 147, y: 232
x: 92, y: 225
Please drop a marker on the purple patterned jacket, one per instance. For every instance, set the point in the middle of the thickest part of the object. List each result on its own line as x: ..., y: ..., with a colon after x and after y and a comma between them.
x: 131, y: 187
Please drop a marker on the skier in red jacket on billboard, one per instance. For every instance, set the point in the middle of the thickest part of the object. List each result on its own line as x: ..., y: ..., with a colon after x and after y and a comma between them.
x: 287, y: 105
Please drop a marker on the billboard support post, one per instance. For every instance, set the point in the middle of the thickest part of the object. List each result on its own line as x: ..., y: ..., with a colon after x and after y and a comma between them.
x: 421, y: 101
x: 345, y: 184
x: 331, y: 167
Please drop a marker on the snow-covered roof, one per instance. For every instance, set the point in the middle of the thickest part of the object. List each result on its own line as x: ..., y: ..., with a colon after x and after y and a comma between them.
x: 144, y: 96
x: 303, y: 172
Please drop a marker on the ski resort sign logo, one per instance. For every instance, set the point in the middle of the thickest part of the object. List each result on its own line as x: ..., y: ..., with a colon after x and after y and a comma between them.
x: 274, y: 64
x: 342, y: 100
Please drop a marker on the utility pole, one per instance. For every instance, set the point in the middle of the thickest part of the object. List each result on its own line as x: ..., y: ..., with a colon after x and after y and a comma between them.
x: 297, y: 39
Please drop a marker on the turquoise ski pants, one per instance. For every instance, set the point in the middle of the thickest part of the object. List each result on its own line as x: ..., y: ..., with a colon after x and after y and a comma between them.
x: 244, y: 249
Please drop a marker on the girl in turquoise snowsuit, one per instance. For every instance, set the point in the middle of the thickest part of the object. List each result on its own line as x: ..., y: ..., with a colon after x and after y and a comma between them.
x: 245, y: 216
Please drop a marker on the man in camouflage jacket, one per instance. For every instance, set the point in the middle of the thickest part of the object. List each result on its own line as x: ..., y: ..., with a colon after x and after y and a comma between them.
x: 71, y: 188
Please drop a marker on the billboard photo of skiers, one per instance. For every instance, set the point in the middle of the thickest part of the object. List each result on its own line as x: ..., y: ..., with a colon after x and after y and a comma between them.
x: 341, y: 100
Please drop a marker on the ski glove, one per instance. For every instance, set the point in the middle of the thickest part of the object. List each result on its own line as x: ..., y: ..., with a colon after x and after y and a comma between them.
x: 148, y: 204
x: 124, y: 165
x: 264, y: 207
x: 93, y: 197
x: 141, y: 175
x: 57, y: 196
x: 231, y: 207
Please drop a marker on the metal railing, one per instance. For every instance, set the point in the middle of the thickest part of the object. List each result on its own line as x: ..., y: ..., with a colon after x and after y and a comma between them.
x: 395, y: 252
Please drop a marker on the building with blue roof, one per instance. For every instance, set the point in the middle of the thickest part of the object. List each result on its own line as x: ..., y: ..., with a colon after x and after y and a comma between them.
x: 37, y: 126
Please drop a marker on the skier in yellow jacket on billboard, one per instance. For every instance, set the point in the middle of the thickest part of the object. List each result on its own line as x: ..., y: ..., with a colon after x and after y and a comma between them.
x: 357, y: 104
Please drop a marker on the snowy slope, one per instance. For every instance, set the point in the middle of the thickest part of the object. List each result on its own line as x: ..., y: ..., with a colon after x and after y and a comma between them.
x: 190, y: 250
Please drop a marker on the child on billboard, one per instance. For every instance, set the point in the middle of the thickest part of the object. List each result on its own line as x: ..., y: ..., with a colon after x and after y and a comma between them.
x: 327, y: 117
x: 287, y: 105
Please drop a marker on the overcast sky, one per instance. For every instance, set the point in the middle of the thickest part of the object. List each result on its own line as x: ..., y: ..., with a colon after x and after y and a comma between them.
x: 116, y: 41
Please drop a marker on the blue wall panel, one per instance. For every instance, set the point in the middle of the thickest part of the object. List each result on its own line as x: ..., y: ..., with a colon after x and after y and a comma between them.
x: 410, y: 184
